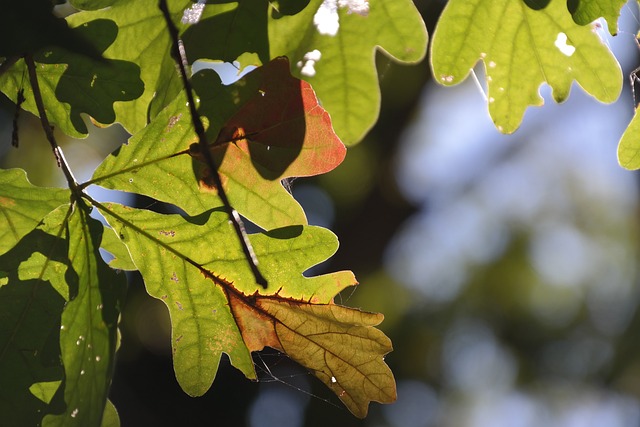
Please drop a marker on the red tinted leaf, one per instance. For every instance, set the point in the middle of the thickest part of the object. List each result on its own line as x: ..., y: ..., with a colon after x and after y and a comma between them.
x: 279, y: 126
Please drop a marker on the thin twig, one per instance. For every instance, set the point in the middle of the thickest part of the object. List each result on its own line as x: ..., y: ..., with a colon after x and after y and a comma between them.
x: 181, y: 59
x: 46, y: 126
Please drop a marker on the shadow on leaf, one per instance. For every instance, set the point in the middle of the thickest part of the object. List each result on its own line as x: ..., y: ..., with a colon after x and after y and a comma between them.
x: 90, y: 86
x: 285, y: 233
x: 30, y: 314
x: 538, y: 4
x: 230, y: 34
x: 271, y: 117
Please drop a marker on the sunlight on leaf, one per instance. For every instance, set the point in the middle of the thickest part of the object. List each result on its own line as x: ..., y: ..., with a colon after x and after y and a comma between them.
x: 110, y: 417
x: 202, y: 326
x: 629, y: 145
x: 72, y: 84
x: 345, y: 77
x: 142, y: 39
x: 121, y: 257
x: 216, y: 306
x: 23, y: 205
x: 294, y: 137
x: 521, y: 49
x: 88, y: 327
x: 338, y: 344
x: 45, y: 390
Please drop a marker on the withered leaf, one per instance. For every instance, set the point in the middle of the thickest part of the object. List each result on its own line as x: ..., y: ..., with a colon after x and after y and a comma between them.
x: 338, y: 344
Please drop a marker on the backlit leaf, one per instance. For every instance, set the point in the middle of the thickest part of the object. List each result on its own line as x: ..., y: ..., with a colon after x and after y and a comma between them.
x: 344, y: 77
x: 338, y: 344
x: 216, y: 306
x: 30, y: 311
x: 58, y: 314
x: 142, y: 38
x: 72, y: 84
x: 88, y: 327
x: 110, y: 417
x: 23, y: 205
x: 586, y: 11
x: 629, y: 145
x: 521, y: 49
x: 288, y: 134
x: 121, y: 257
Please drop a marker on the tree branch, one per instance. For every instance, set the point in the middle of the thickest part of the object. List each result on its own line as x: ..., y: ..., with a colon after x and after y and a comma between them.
x: 177, y: 50
x: 46, y: 126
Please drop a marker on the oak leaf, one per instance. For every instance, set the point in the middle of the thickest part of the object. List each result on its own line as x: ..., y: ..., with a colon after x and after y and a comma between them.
x: 338, y: 344
x: 287, y: 134
x: 216, y: 307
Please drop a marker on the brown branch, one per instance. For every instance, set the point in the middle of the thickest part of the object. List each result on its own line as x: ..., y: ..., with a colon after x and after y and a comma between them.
x: 46, y: 126
x: 177, y: 51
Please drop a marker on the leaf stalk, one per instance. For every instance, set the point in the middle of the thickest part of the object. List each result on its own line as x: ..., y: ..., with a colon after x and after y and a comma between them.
x: 48, y: 129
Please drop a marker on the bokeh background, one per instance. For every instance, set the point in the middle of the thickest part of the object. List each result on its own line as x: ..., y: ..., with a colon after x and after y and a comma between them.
x: 506, y: 266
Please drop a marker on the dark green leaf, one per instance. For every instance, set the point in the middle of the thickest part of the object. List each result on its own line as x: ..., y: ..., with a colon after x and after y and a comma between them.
x: 28, y: 26
x: 88, y: 328
x: 32, y: 278
x: 91, y: 4
x: 587, y: 11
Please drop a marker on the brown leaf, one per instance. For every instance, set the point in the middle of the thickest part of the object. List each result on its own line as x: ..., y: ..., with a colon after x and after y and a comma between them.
x: 338, y: 344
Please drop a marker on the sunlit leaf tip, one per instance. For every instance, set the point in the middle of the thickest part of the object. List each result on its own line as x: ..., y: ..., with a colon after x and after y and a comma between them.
x: 629, y: 145
x: 522, y: 48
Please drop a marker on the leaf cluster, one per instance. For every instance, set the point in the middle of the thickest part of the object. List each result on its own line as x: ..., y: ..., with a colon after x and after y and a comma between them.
x: 112, y: 62
x: 313, y: 92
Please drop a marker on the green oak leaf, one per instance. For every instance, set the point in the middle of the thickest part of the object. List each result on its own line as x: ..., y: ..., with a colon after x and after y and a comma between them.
x: 629, y: 145
x: 215, y: 305
x: 287, y: 134
x: 30, y: 311
x: 172, y: 252
x: 521, y: 49
x: 586, y: 11
x: 59, y: 309
x: 23, y: 205
x: 121, y: 258
x: 142, y: 39
x: 88, y: 326
x: 72, y: 84
x: 110, y: 417
x: 345, y: 76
